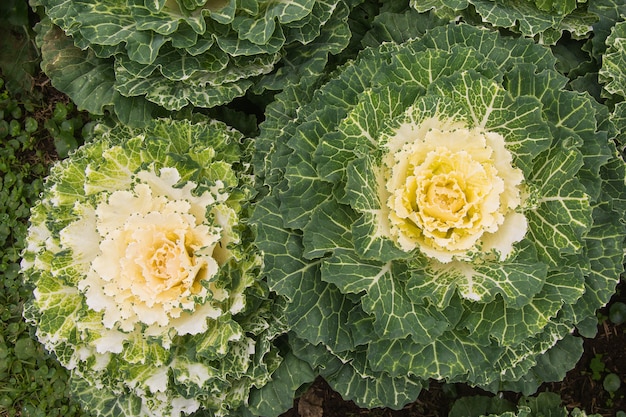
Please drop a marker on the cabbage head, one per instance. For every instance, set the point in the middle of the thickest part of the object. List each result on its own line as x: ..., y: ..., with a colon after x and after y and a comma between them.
x: 441, y: 208
x: 137, y: 57
x: 146, y: 282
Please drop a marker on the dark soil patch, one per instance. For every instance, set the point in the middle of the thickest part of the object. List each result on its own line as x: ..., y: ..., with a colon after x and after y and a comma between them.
x: 582, y: 387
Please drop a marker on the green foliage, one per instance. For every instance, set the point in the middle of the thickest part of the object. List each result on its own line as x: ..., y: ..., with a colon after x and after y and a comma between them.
x: 396, y: 301
x: 31, y: 382
x: 597, y: 367
x: 372, y: 317
x: 544, y: 404
x: 19, y: 56
x: 544, y: 20
x: 67, y: 127
x: 138, y: 58
x: 611, y: 383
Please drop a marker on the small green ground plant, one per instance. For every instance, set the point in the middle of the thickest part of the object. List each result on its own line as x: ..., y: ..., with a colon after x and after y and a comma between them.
x: 544, y: 404
x: 31, y: 382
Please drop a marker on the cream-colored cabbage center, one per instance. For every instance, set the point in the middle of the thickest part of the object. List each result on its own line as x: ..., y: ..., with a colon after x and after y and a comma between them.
x: 160, y: 263
x: 450, y: 191
x: 155, y: 259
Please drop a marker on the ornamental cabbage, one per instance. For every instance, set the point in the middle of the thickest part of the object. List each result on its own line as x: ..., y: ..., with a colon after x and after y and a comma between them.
x: 146, y: 282
x: 442, y: 207
x: 139, y: 57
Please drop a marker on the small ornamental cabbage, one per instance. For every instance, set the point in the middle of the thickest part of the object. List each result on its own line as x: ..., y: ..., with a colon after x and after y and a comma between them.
x: 138, y: 57
x: 441, y: 208
x: 146, y: 283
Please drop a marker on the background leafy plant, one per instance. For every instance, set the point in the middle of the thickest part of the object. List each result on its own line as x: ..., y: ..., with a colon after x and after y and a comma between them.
x: 140, y: 58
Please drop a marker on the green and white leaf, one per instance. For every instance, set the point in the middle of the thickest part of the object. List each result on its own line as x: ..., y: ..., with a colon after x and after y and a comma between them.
x: 612, y: 74
x: 543, y: 20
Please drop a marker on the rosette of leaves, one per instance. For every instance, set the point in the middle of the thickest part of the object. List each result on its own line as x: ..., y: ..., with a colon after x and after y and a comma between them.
x: 544, y: 20
x: 441, y: 208
x: 138, y: 56
x: 146, y: 282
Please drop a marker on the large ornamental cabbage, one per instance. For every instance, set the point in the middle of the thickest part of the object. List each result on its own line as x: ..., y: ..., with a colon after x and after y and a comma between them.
x: 146, y: 281
x: 441, y: 208
x: 138, y: 56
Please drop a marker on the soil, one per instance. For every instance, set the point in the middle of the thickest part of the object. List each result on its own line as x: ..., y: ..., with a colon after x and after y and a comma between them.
x: 582, y: 388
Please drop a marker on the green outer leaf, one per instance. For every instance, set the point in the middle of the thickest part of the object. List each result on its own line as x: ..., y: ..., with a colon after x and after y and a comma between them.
x: 476, y: 406
x: 612, y: 74
x: 359, y: 130
x: 320, y: 307
x: 502, y: 52
x: 307, y: 188
x: 511, y: 325
x: 605, y: 250
x: 202, y: 89
x: 550, y: 366
x: 328, y: 230
x: 259, y: 30
x: 375, y: 391
x: 545, y: 21
x: 86, y: 78
x: 64, y: 305
x: 366, y: 388
x: 516, y: 281
x: 451, y: 356
x: 396, y: 316
x: 110, y: 404
x: 518, y: 119
x: 271, y: 400
x: 609, y: 13
x: 563, y: 214
x: 370, y: 238
x: 300, y: 62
